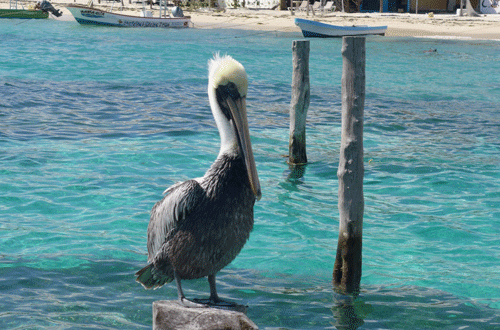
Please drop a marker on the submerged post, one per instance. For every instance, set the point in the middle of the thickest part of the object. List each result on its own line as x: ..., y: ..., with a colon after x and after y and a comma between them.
x: 300, y: 103
x: 347, y: 268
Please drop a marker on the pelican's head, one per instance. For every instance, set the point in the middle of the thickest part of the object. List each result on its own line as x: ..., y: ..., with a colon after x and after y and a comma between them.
x: 227, y: 91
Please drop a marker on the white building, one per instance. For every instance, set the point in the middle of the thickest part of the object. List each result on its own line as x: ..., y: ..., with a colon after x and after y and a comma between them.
x: 264, y: 4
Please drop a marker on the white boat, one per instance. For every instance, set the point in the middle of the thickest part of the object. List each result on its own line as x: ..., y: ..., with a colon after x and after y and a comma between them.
x: 489, y: 6
x: 93, y: 16
x: 313, y: 29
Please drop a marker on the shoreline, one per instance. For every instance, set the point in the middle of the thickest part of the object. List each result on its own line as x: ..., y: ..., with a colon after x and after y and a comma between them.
x: 398, y: 24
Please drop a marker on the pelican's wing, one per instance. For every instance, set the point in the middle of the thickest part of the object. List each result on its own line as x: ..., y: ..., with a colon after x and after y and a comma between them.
x: 180, y: 200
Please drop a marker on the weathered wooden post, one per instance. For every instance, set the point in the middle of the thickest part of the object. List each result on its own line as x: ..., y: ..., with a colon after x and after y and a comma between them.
x: 347, y: 268
x: 300, y: 103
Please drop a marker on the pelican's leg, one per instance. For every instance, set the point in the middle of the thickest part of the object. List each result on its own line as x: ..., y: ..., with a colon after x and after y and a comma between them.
x: 182, y: 297
x: 214, y: 297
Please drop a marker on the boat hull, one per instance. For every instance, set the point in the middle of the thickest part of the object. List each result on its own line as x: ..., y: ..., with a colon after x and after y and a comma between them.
x: 92, y: 16
x: 22, y: 13
x: 313, y: 29
x: 489, y: 7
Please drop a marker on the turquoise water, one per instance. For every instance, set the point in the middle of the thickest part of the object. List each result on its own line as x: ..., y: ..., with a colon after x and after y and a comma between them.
x: 95, y: 123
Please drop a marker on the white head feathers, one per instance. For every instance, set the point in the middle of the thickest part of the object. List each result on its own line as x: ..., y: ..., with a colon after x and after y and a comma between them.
x: 223, y: 70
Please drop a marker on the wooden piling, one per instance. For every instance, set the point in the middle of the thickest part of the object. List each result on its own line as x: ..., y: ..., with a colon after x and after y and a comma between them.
x: 300, y: 103
x: 170, y: 315
x: 347, y: 267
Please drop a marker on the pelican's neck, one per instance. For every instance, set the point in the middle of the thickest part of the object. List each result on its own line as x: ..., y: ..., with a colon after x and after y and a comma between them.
x: 228, y: 145
x: 227, y: 133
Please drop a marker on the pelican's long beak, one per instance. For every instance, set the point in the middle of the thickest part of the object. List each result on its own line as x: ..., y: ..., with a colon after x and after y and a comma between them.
x: 227, y: 90
x: 238, y: 109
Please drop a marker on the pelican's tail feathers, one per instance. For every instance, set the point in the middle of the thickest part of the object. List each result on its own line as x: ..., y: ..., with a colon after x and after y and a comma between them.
x: 152, y: 278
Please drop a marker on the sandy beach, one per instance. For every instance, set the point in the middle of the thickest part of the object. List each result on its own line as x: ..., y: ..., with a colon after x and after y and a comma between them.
x: 399, y: 24
x: 418, y: 25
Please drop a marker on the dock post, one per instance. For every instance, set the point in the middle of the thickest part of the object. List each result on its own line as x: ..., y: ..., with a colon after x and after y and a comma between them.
x: 300, y: 103
x: 347, y: 267
x: 170, y: 315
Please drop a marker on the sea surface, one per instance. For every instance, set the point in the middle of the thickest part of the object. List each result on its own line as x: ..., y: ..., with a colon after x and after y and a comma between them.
x: 96, y: 122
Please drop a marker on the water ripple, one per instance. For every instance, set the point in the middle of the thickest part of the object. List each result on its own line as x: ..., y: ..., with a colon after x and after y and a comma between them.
x: 91, y: 141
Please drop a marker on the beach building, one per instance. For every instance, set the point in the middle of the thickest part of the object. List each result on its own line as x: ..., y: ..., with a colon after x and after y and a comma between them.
x: 388, y: 6
x: 267, y: 4
x: 410, y: 6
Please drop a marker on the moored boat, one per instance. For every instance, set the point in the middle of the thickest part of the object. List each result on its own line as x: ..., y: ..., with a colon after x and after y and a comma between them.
x: 313, y: 29
x: 489, y: 7
x: 89, y: 15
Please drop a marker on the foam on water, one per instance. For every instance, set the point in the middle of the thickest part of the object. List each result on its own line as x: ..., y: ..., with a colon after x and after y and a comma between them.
x: 95, y: 123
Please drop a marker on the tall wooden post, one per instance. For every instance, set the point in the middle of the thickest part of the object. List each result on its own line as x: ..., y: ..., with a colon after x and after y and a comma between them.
x: 300, y: 103
x: 347, y: 268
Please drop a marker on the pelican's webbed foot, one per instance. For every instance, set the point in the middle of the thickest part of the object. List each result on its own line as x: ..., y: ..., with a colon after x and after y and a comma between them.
x: 221, y: 304
x: 214, y: 300
x: 192, y: 304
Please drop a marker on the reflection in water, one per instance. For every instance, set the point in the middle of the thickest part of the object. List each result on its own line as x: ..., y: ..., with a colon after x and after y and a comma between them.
x: 349, y: 313
x: 296, y: 172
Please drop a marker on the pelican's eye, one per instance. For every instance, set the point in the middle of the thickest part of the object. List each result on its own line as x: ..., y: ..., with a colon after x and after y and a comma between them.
x: 224, y: 92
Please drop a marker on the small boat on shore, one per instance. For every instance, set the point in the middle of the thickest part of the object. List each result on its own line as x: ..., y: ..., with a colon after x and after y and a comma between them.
x: 489, y: 7
x: 40, y: 11
x: 313, y: 29
x: 89, y: 15
x: 23, y: 13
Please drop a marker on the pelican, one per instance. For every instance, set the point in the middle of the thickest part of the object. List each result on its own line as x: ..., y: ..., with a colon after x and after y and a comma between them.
x: 201, y: 225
